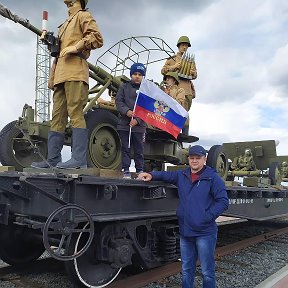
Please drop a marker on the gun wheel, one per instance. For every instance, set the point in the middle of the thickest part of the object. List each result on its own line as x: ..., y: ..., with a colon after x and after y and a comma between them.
x: 217, y: 159
x: 61, y: 226
x: 16, y: 150
x: 104, y: 147
x: 274, y: 173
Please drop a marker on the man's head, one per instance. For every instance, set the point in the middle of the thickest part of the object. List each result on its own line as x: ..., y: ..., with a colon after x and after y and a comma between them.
x: 197, y: 158
x: 183, y: 44
x: 171, y: 78
x: 137, y: 71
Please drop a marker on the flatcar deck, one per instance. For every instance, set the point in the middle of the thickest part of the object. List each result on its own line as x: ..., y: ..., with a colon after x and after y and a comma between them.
x: 111, y: 198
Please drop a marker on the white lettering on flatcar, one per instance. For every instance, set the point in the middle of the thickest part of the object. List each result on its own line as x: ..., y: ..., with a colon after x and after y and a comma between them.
x: 240, y: 201
x: 274, y: 200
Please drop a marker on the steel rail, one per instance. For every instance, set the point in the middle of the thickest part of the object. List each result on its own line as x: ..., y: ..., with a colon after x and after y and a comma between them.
x: 154, y: 275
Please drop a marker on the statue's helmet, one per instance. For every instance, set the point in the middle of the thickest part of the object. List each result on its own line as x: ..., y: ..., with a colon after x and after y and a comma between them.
x: 248, y: 152
x: 284, y: 164
x: 83, y: 2
x: 184, y: 39
x: 173, y: 75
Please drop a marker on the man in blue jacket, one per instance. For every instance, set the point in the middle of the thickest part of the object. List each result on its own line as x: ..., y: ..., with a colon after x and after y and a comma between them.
x: 202, y: 198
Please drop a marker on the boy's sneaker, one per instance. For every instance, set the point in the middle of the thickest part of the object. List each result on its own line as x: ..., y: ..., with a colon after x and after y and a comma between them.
x: 127, y: 175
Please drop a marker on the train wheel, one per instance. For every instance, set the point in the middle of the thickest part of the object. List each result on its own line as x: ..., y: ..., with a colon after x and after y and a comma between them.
x: 17, y: 151
x: 217, y: 159
x: 104, y: 146
x: 19, y: 245
x: 87, y: 272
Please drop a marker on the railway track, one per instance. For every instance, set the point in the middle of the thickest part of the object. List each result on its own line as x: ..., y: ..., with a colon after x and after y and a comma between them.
x: 51, y: 273
x: 32, y: 275
x: 138, y: 281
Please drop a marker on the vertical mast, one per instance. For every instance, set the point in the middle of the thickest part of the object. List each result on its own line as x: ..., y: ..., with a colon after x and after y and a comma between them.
x: 43, y: 64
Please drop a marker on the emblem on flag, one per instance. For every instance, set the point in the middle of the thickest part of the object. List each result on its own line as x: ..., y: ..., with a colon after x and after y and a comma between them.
x: 161, y: 108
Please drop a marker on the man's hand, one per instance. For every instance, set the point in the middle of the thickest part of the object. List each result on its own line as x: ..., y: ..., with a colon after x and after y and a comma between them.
x: 68, y: 50
x: 44, y: 32
x: 130, y: 113
x: 144, y: 176
x: 133, y: 122
x: 101, y: 101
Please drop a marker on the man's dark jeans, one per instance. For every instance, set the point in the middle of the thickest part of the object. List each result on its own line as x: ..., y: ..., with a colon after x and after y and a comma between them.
x: 193, y: 247
x: 137, y: 143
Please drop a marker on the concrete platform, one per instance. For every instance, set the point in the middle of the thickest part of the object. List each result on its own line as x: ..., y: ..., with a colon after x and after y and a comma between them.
x: 224, y: 220
x: 277, y: 280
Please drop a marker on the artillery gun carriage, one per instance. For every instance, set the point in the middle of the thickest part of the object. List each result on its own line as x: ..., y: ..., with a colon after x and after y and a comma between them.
x: 253, y: 161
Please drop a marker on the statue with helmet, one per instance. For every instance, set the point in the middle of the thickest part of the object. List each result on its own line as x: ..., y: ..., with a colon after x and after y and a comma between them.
x: 69, y: 79
x: 184, y: 65
x: 244, y: 162
x: 171, y: 88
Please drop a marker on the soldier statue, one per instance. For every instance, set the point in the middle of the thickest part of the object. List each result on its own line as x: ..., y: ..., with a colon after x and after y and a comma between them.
x: 69, y: 79
x: 171, y: 88
x: 173, y: 64
x: 244, y: 162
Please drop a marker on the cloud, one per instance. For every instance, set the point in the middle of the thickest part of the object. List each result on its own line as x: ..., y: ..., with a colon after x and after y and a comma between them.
x: 277, y: 71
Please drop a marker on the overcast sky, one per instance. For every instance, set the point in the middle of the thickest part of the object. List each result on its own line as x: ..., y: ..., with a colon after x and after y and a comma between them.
x: 240, y: 47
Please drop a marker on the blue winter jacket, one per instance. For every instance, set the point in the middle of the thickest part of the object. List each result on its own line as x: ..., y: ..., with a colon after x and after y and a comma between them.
x: 200, y: 202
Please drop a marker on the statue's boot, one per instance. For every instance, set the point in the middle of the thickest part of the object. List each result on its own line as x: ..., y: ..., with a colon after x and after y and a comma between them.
x: 79, y: 150
x: 55, y: 145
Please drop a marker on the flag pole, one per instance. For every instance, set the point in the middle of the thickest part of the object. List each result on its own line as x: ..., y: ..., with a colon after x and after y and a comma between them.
x: 130, y: 129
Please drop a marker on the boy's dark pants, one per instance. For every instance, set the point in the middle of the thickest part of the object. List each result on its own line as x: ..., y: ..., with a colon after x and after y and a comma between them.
x: 137, y: 143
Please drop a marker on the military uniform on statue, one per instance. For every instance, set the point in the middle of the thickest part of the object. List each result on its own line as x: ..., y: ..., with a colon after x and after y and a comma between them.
x: 184, y: 65
x: 171, y: 88
x: 69, y: 78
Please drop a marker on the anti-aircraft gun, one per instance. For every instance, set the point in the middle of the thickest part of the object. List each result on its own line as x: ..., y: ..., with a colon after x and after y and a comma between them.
x: 21, y: 138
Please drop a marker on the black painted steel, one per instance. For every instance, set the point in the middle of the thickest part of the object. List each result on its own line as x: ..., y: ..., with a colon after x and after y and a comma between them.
x: 19, y: 245
x: 112, y: 199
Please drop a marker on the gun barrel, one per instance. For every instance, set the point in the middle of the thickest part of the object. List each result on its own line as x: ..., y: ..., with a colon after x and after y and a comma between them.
x: 98, y: 74
x: 101, y: 76
x: 5, y: 12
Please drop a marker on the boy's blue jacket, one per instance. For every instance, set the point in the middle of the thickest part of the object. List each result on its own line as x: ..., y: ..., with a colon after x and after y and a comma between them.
x: 200, y: 202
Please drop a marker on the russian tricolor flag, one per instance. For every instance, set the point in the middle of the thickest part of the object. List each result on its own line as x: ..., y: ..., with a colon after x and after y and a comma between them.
x: 157, y: 108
